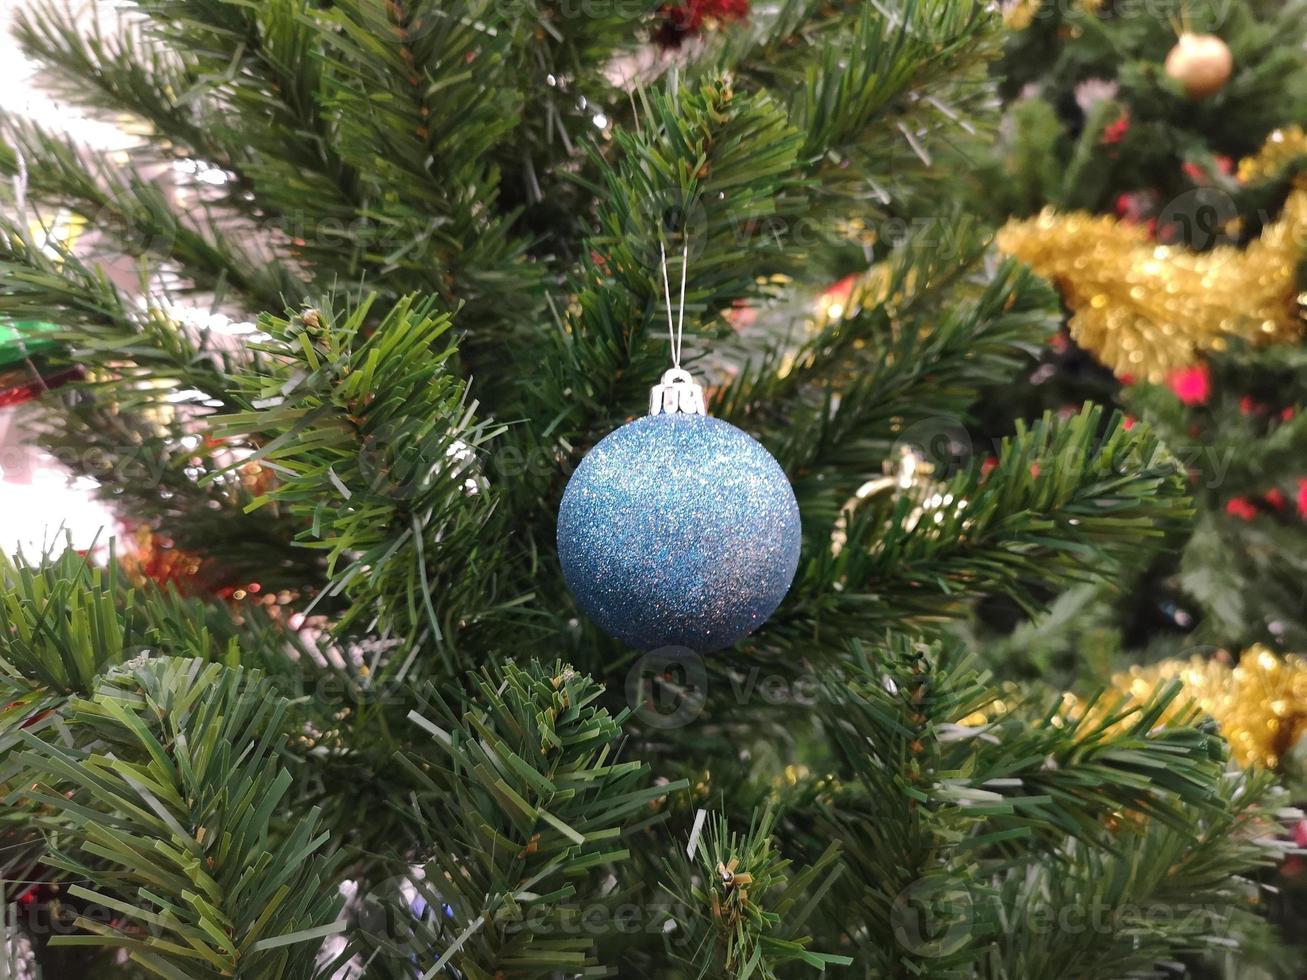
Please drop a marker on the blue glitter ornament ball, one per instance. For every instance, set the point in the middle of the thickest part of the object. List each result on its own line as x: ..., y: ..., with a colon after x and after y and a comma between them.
x: 679, y: 530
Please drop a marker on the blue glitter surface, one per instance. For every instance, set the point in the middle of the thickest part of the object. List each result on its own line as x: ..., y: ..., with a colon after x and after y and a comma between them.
x: 679, y: 530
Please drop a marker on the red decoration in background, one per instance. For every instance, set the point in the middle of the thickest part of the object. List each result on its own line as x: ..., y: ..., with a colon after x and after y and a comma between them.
x: 1134, y: 207
x: 25, y: 391
x: 842, y: 289
x: 1201, y: 175
x: 154, y: 557
x: 1302, y: 496
x: 685, y: 20
x: 1241, y: 507
x: 1115, y: 132
x: 1192, y: 385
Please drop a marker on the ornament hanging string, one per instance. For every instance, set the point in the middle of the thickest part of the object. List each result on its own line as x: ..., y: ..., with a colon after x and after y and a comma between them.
x: 677, y: 392
x: 676, y: 330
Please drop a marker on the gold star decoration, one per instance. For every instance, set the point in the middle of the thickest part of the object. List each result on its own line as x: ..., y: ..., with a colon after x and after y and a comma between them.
x: 1145, y: 309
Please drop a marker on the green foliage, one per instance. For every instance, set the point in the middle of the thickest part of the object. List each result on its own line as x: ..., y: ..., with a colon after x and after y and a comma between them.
x: 1243, y: 571
x: 373, y: 442
x: 521, y: 808
x: 1143, y: 910
x: 901, y: 370
x: 1009, y: 804
x: 65, y: 620
x: 1066, y: 502
x: 710, y: 170
x: 139, y: 215
x: 61, y: 624
x: 176, y: 785
x: 740, y: 892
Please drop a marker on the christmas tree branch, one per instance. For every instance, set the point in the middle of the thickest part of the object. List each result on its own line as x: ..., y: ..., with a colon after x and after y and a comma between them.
x: 707, y: 172
x: 176, y: 791
x: 1179, y: 893
x: 375, y: 446
x: 1060, y: 494
x: 911, y: 374
x: 991, y: 800
x: 107, y: 329
x: 408, y: 112
x: 122, y: 70
x: 739, y: 895
x: 135, y: 218
x: 521, y: 808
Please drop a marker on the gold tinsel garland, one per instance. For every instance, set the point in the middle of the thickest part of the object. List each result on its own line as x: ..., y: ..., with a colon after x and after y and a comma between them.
x: 1260, y: 705
x: 1020, y: 14
x: 1283, y: 148
x: 1145, y: 309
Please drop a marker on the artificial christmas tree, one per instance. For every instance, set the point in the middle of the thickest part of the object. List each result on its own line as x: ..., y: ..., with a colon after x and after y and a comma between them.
x: 418, y: 280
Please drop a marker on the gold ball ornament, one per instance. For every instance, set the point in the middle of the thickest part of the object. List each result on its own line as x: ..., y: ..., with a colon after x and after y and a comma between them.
x: 1201, y: 63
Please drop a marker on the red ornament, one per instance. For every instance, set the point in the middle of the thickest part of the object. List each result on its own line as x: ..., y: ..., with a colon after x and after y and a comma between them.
x: 1134, y: 207
x: 1201, y: 174
x: 678, y: 24
x: 1302, y: 496
x: 1241, y: 507
x: 730, y: 9
x: 841, y: 290
x: 685, y: 20
x: 1115, y: 132
x: 1192, y: 385
x: 1274, y: 497
x: 25, y: 391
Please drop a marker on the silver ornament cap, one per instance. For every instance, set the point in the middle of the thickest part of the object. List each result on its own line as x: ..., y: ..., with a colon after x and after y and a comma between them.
x: 677, y: 394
